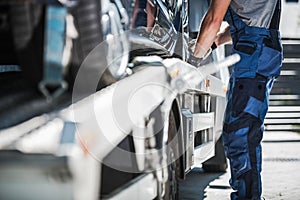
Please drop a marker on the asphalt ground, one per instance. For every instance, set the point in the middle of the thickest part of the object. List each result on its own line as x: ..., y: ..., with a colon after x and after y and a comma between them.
x: 280, y: 173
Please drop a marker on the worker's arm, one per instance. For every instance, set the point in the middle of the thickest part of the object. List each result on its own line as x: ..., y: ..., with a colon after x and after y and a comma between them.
x: 210, y: 26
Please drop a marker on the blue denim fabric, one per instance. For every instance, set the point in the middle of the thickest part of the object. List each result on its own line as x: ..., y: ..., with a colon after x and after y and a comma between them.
x: 243, y: 131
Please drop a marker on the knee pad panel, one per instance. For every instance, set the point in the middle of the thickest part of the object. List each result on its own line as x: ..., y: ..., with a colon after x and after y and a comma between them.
x: 245, y: 90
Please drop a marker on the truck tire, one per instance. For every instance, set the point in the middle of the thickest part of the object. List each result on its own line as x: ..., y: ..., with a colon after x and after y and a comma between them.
x: 87, y: 18
x: 218, y: 163
x: 172, y: 184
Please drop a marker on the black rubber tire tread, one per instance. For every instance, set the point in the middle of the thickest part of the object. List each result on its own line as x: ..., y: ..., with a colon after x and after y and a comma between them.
x: 87, y: 22
x: 218, y: 163
x: 172, y: 185
x: 87, y: 18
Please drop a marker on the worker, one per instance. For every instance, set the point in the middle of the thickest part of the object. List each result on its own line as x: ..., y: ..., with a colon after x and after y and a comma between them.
x: 253, y: 29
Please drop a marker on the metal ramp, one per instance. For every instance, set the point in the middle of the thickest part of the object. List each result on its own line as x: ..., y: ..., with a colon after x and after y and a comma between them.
x: 284, y: 110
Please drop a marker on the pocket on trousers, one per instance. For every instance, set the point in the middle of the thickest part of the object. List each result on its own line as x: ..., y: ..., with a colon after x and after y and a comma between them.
x: 244, y: 89
x: 269, y: 62
x: 247, y: 65
x: 245, y: 46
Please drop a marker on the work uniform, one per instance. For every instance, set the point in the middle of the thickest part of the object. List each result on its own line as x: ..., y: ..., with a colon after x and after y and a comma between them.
x: 254, y: 31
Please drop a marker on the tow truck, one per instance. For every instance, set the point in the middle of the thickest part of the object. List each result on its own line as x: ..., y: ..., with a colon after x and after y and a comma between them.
x: 104, y: 121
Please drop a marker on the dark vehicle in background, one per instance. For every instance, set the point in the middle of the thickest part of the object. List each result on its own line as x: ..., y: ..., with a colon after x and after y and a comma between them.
x: 26, y: 40
x: 55, y: 55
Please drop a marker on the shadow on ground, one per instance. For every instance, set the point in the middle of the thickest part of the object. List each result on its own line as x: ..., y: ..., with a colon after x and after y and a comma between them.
x: 195, y: 183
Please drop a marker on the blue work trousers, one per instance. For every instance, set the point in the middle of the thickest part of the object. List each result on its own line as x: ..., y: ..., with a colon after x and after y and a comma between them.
x: 246, y: 108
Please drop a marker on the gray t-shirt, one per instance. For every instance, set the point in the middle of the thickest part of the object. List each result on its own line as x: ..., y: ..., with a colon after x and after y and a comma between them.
x: 255, y: 13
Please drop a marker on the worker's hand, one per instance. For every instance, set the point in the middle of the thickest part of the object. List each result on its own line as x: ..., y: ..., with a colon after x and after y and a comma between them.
x: 198, y: 51
x: 195, y: 60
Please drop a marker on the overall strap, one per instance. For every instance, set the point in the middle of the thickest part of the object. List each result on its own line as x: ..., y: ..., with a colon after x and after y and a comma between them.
x: 238, y: 27
x: 276, y: 16
x: 236, y: 24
